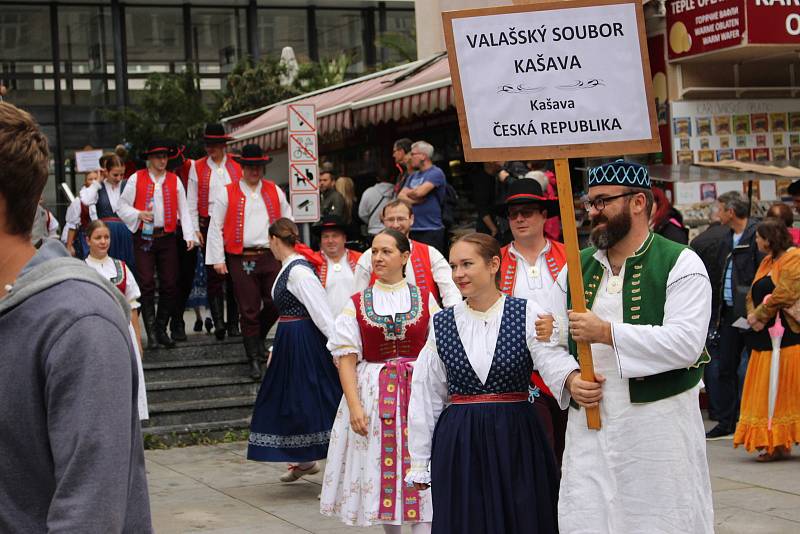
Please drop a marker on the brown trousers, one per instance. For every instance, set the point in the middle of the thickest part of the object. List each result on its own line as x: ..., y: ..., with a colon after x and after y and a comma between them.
x: 160, y: 257
x: 253, y: 278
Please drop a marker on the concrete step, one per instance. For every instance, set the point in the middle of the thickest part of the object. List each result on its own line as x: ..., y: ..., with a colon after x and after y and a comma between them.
x: 227, y: 366
x: 200, y: 411
x: 200, y: 388
x: 195, y: 433
x: 196, y: 347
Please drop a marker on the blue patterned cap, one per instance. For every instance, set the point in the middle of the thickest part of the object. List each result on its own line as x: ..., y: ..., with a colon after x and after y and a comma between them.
x: 620, y: 172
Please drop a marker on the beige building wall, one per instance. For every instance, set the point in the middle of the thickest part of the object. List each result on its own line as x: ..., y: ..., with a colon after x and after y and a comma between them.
x: 430, y: 38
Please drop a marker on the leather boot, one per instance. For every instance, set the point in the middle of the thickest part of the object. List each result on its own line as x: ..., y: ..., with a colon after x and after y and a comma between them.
x: 215, y: 305
x: 177, y: 328
x: 162, y: 317
x: 149, y: 320
x: 232, y: 324
x: 255, y: 353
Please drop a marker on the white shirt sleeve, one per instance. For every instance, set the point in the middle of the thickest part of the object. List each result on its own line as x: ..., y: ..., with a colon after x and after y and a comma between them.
x: 552, y: 361
x: 215, y: 250
x: 185, y: 215
x: 89, y: 195
x: 363, y: 271
x: 125, y: 209
x: 645, y: 350
x: 443, y: 276
x: 428, y: 400
x: 305, y: 285
x: 286, y: 208
x: 191, y: 195
x: 73, y: 215
x: 132, y: 291
x: 346, y: 337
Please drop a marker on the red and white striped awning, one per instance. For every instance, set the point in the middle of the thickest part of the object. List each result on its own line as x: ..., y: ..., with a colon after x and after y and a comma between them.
x: 401, y: 92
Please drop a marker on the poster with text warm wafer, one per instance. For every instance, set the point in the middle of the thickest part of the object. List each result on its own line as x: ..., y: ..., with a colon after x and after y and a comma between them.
x: 552, y: 80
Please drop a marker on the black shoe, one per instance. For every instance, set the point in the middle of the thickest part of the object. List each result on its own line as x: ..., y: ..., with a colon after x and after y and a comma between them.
x: 233, y: 330
x: 177, y: 330
x: 232, y: 324
x: 209, y: 324
x: 719, y: 432
x: 254, y: 350
x: 149, y: 320
x: 198, y: 326
x: 217, y: 307
x: 162, y: 316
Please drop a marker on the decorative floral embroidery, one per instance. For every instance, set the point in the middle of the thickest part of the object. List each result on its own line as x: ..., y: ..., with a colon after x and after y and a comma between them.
x: 120, y: 272
x: 394, y: 328
x: 289, y: 442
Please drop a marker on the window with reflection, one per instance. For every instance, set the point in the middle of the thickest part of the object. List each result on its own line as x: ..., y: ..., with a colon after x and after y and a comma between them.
x: 278, y: 28
x: 397, y: 43
x: 340, y: 31
x: 154, y: 39
x: 25, y: 40
x: 217, y: 42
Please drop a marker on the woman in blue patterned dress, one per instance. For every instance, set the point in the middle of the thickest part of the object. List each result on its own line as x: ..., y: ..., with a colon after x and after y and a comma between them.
x: 300, y: 393
x: 473, y: 435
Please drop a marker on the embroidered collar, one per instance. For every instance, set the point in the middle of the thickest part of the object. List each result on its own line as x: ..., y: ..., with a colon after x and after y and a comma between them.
x: 491, y: 312
x: 394, y: 327
x: 391, y: 288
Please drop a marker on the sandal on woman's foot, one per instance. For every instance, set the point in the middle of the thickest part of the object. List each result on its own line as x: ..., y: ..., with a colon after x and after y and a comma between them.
x: 777, y: 454
x: 295, y: 472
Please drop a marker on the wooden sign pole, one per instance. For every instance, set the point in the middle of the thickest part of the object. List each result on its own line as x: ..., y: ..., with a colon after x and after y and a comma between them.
x: 575, y: 275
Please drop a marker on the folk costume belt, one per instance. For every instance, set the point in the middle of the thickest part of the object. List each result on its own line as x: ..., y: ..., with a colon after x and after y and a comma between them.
x: 290, y: 318
x: 489, y: 397
x: 394, y: 389
x: 255, y: 251
x: 158, y: 231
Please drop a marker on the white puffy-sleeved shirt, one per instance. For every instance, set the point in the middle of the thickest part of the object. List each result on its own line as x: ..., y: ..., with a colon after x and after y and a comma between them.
x: 386, y: 300
x: 340, y: 284
x: 130, y: 215
x: 306, y: 287
x: 108, y: 270
x: 256, y: 221
x: 478, y: 332
x: 219, y: 179
x: 89, y: 195
x: 442, y: 275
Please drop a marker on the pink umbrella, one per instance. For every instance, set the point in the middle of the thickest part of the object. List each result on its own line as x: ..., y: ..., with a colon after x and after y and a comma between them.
x: 775, y: 335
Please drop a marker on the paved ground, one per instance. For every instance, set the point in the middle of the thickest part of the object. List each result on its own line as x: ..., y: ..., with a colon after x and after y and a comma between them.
x: 215, y: 489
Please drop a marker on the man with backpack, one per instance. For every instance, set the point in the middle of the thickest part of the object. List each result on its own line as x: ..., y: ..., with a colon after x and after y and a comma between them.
x: 426, y: 191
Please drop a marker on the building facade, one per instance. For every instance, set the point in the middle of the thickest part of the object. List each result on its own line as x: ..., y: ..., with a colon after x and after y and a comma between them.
x: 67, y: 62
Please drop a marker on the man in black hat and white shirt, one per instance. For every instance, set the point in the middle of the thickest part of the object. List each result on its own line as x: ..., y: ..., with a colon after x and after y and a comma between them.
x: 337, y: 274
x: 207, y: 177
x: 238, y: 243
x: 150, y: 205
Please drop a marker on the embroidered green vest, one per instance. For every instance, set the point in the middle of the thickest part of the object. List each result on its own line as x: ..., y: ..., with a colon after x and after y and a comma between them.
x: 643, y: 298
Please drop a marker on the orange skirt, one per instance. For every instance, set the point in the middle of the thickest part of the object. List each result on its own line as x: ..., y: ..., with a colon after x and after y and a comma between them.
x: 751, y: 431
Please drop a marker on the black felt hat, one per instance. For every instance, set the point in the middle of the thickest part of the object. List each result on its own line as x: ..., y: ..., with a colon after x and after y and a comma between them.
x: 215, y: 135
x: 529, y: 191
x: 252, y: 155
x: 159, y: 146
x: 330, y: 222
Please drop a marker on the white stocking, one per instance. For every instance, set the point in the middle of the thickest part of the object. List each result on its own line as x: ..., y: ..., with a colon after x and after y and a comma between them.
x: 421, y: 528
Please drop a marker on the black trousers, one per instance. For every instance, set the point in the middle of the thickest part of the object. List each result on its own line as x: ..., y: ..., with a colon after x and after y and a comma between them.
x: 727, y: 394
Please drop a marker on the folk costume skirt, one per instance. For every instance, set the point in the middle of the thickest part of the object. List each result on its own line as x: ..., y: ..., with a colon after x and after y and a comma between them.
x: 297, y: 401
x: 121, y: 246
x: 752, y: 431
x: 493, y: 471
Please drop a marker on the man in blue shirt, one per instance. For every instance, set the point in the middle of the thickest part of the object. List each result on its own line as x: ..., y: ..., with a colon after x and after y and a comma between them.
x: 425, y: 190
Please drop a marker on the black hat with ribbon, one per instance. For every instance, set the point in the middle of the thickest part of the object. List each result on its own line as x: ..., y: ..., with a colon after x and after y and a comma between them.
x: 159, y: 146
x: 529, y: 191
x: 215, y: 135
x: 253, y: 156
x: 330, y: 222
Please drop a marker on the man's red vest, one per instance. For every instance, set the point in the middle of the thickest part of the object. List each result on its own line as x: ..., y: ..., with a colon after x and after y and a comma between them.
x: 381, y: 338
x: 203, y: 170
x: 352, y: 260
x: 144, y: 193
x: 420, y: 262
x: 555, y: 258
x: 233, y: 229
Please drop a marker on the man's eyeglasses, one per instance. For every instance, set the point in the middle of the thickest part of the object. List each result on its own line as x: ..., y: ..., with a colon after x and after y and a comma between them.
x: 392, y: 220
x: 599, y: 204
x: 526, y: 212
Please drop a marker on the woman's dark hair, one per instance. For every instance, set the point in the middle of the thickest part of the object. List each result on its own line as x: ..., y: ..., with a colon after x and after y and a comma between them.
x: 285, y: 230
x: 775, y: 233
x: 400, y: 240
x: 782, y: 211
x: 94, y: 225
x: 486, y: 246
x: 109, y: 160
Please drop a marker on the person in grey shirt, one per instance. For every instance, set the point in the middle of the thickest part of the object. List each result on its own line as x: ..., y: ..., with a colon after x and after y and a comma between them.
x: 71, y: 457
x: 372, y: 202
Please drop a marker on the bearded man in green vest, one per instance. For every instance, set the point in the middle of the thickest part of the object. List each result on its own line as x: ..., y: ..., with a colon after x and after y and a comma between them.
x: 649, y: 298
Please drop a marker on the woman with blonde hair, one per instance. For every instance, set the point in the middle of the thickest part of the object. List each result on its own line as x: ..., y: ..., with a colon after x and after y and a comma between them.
x: 776, y: 288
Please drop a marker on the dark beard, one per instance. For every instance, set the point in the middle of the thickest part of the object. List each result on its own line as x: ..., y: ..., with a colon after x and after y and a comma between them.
x: 615, y: 231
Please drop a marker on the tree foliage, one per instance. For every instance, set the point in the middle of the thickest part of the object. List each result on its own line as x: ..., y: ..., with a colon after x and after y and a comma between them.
x: 170, y: 106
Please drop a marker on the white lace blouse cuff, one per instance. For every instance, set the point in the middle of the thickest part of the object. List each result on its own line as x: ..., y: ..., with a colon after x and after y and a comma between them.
x: 419, y: 476
x: 344, y: 350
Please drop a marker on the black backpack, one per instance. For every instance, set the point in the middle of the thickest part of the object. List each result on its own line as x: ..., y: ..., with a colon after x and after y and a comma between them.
x: 449, y: 204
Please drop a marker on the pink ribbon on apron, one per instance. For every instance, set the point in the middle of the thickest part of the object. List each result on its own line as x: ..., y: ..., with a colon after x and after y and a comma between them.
x: 394, y: 386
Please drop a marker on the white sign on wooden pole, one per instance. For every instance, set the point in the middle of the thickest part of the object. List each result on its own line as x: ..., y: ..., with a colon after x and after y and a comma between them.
x: 303, y: 159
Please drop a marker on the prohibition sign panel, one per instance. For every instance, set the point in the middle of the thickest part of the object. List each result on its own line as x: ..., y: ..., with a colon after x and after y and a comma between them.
x: 302, y: 118
x: 305, y: 207
x: 303, y: 177
x: 303, y: 148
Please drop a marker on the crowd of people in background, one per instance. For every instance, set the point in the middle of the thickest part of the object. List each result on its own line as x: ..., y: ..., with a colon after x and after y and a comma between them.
x: 440, y: 375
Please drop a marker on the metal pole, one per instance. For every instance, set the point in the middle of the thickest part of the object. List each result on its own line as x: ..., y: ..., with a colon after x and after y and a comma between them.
x: 306, y: 233
x: 58, y: 153
x: 118, y: 31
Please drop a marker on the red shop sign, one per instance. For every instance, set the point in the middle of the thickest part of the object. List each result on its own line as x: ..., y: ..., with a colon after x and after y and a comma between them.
x: 699, y: 26
x: 773, y: 21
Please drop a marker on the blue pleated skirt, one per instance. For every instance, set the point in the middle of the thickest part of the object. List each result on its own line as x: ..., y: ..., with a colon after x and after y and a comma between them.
x: 493, y: 471
x: 298, y: 398
x: 121, y: 243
